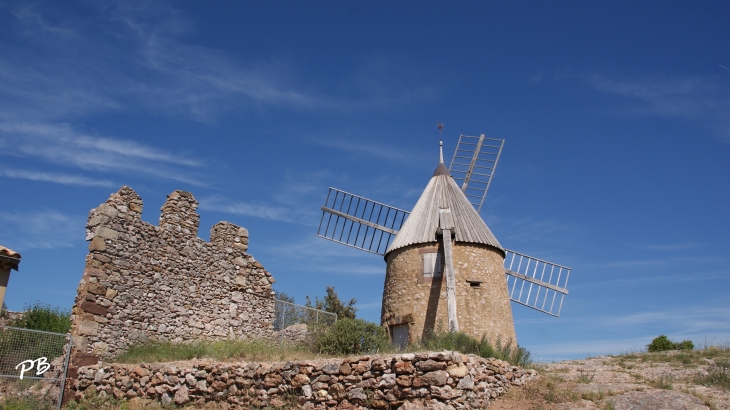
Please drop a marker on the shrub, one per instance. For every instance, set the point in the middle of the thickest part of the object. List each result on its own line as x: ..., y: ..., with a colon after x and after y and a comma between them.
x: 461, y: 342
x: 352, y: 336
x: 40, y: 316
x: 662, y: 343
x: 685, y: 345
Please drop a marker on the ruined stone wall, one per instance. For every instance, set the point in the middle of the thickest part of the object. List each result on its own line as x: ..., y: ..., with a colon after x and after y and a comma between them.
x: 144, y: 282
x: 409, y: 298
x: 413, y: 381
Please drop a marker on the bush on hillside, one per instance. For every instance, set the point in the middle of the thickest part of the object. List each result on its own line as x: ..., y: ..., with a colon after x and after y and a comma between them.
x: 352, y: 336
x: 40, y: 316
x: 662, y: 343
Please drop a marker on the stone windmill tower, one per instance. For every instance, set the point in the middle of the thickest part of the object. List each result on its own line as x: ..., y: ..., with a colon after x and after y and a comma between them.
x: 445, y: 268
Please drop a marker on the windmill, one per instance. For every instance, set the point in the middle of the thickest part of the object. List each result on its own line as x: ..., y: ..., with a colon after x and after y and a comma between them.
x: 444, y: 265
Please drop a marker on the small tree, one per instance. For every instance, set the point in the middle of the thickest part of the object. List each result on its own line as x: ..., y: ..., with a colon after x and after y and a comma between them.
x: 284, y: 297
x: 45, y: 317
x: 332, y: 303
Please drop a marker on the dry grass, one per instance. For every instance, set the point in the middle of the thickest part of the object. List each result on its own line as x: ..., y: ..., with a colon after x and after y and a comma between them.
x: 253, y: 351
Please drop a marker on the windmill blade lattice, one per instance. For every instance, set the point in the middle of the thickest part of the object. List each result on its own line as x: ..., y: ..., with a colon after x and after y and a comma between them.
x: 535, y: 283
x: 473, y: 165
x: 359, y: 222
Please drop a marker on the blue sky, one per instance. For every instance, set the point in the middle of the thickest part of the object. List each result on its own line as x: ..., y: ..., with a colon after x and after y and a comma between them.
x: 616, y: 117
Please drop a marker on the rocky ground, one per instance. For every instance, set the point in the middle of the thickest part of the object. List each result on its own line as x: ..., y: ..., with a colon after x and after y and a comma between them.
x: 656, y: 381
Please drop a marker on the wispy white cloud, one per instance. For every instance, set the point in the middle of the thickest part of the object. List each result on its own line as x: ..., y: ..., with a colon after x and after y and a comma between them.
x: 662, y: 277
x: 40, y: 229
x: 652, y: 262
x: 368, y: 149
x: 136, y: 57
x: 671, y: 247
x: 261, y: 210
x: 317, y: 255
x: 550, y: 352
x: 705, y: 101
x: 690, y: 318
x: 57, y: 178
x: 532, y: 231
x: 62, y: 145
x: 699, y: 323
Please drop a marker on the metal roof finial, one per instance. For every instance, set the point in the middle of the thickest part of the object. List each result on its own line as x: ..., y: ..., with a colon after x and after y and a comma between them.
x: 441, y: 142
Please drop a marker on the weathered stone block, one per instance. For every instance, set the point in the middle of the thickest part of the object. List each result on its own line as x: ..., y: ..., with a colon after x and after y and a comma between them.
x: 108, y: 210
x: 457, y: 370
x: 299, y: 380
x: 104, y: 232
x: 182, y: 395
x: 435, y: 378
x: 100, y: 349
x: 430, y: 365
x: 96, y: 289
x: 97, y: 244
x: 88, y: 328
x: 92, y: 307
x: 80, y: 343
x: 402, y: 367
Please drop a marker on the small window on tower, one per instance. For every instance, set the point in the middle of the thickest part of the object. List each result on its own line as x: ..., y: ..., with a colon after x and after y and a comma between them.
x: 432, y: 265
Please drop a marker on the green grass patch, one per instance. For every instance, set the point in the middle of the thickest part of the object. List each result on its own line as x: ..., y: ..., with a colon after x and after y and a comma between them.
x: 25, y: 403
x: 224, y: 350
x: 347, y: 337
x: 461, y: 342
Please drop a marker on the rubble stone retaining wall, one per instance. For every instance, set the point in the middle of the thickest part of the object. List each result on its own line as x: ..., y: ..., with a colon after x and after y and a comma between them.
x: 144, y: 282
x: 440, y: 379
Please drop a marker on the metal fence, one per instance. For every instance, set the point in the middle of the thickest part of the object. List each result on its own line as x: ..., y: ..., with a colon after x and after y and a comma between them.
x: 33, y: 365
x: 288, y: 314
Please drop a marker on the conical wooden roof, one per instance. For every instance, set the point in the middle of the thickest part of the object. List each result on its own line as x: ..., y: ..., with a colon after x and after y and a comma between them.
x: 423, y: 223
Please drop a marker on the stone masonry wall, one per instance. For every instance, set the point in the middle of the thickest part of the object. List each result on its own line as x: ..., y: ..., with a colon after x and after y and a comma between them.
x: 144, y: 282
x: 482, y: 301
x: 436, y: 380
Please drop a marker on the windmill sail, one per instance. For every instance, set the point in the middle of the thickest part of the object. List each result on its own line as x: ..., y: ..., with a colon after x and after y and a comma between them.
x: 473, y: 165
x: 536, y: 283
x: 359, y: 222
